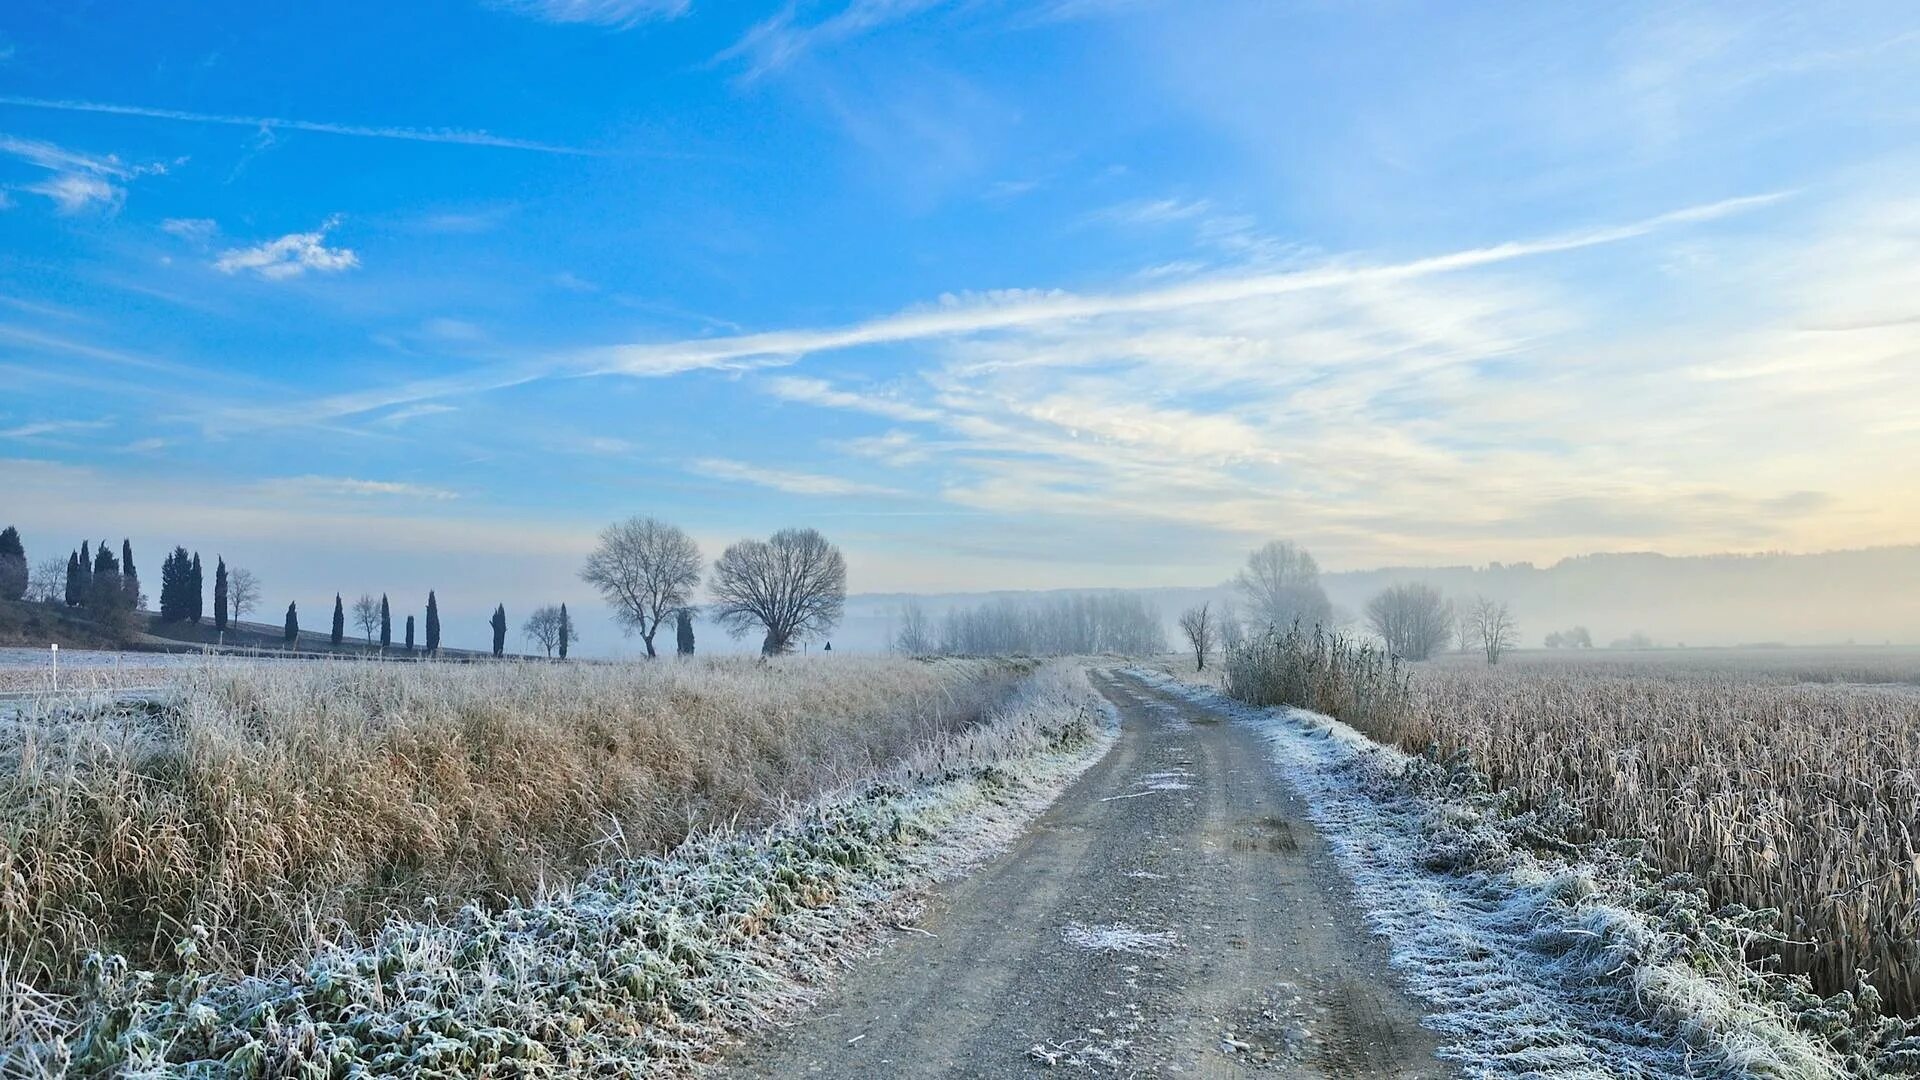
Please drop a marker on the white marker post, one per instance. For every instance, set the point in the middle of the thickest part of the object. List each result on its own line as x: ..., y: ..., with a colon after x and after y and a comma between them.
x: 56, y: 666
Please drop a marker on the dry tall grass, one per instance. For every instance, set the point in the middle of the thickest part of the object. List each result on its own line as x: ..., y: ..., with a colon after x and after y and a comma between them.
x: 1799, y: 797
x: 276, y: 805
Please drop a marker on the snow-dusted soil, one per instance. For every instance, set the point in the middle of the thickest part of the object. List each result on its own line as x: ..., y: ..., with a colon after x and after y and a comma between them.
x: 1534, y: 962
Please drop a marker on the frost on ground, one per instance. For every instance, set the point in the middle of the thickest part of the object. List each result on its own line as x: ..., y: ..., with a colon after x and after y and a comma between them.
x: 645, y: 967
x: 1117, y: 937
x: 1536, y: 959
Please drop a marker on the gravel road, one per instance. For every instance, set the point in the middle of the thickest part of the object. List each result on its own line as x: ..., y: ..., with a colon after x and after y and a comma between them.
x: 1174, y: 913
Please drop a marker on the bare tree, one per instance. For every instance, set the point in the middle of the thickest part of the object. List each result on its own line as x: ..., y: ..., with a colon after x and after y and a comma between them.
x: 366, y: 615
x: 546, y: 627
x: 647, y: 570
x: 243, y: 592
x: 1494, y: 628
x: 48, y: 582
x: 916, y: 631
x: 1281, y: 584
x: 1413, y: 619
x: 1200, y: 630
x: 1463, y: 625
x: 793, y: 585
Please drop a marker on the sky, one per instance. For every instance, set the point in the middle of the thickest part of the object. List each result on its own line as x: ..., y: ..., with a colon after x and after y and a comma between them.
x: 1067, y: 293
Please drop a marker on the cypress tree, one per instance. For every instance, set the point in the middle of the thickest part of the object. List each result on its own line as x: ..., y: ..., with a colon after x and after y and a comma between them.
x: 73, y: 578
x: 409, y: 633
x: 433, y: 625
x: 103, y: 590
x: 386, y: 624
x: 129, y: 577
x: 13, y: 565
x: 219, y: 593
x: 500, y: 631
x: 566, y: 631
x: 683, y: 631
x: 293, y: 625
x: 86, y: 575
x: 339, y: 620
x: 196, y: 591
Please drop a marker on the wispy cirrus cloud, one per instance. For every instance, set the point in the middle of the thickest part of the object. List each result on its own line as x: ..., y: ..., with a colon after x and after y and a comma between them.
x: 289, y: 256
x: 350, y: 487
x: 958, y: 316
x: 614, y: 14
x: 776, y: 42
x: 793, y: 483
x: 80, y: 180
x: 454, y: 136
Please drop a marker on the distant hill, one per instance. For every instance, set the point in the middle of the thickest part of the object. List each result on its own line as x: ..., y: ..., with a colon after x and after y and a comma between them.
x: 1868, y: 596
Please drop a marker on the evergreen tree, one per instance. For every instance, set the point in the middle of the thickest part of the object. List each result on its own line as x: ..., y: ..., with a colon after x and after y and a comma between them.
x: 196, y: 591
x: 683, y: 631
x: 409, y: 633
x: 170, y: 585
x: 500, y: 631
x: 339, y: 620
x: 73, y: 578
x: 86, y: 575
x: 129, y: 577
x: 293, y: 625
x: 566, y: 631
x: 13, y: 565
x: 219, y: 593
x: 386, y: 624
x: 433, y: 625
x: 103, y: 589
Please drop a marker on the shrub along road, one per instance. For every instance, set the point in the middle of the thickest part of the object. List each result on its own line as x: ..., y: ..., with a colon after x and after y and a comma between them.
x: 1172, y: 913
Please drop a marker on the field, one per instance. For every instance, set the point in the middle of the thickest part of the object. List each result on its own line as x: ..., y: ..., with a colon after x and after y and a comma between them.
x: 1780, y: 779
x: 278, y: 805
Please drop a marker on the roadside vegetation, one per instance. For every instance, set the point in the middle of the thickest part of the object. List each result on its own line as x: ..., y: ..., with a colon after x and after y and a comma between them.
x: 651, y: 959
x: 275, y: 805
x: 1790, y: 806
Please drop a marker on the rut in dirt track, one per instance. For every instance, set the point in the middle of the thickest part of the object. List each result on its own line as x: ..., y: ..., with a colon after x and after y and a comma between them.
x: 1173, y: 913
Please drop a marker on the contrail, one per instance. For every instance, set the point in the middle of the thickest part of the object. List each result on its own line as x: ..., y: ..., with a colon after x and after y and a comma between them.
x: 430, y: 135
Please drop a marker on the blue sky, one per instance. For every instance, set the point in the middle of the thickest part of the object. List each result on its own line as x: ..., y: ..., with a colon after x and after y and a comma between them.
x: 379, y: 296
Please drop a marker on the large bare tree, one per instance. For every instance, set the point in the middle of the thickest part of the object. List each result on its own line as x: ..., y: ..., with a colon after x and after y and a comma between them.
x: 647, y: 570
x: 1201, y: 631
x: 1412, y: 618
x: 792, y: 585
x: 1281, y: 584
x: 243, y: 592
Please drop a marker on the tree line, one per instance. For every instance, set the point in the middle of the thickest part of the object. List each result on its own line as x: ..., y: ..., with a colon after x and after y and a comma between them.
x: 106, y: 588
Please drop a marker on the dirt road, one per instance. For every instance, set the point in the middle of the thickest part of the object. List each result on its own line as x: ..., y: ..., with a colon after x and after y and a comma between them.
x: 1172, y: 914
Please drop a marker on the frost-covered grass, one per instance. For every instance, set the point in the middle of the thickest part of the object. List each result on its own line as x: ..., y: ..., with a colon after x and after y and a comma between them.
x: 640, y: 969
x: 1799, y: 797
x: 279, y: 806
x: 1544, y: 954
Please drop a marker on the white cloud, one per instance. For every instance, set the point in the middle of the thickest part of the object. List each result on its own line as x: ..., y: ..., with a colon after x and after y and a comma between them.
x: 289, y: 256
x: 895, y: 448
x: 193, y: 230
x: 415, y: 412
x: 793, y: 483
x: 41, y: 428
x: 618, y: 14
x: 820, y: 392
x: 79, y: 180
x: 74, y: 192
x: 349, y: 487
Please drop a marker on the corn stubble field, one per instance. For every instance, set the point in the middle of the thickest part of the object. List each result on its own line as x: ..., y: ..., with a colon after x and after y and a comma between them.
x: 1783, y: 781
